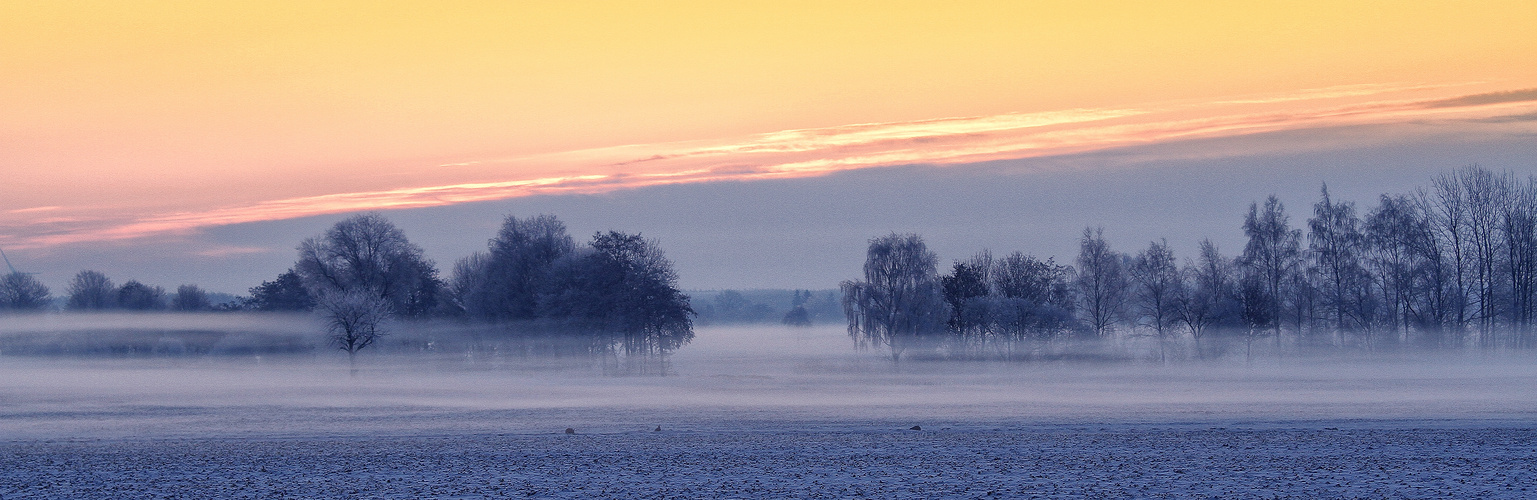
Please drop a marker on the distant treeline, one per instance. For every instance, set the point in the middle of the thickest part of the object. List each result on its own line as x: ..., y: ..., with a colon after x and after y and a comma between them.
x: 789, y: 307
x: 1451, y: 265
x: 363, y: 271
x: 93, y: 290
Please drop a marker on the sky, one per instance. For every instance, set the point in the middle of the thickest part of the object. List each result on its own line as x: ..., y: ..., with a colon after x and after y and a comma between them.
x: 762, y: 143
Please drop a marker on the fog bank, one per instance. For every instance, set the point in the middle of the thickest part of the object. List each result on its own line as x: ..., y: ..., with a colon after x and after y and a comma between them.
x: 729, y: 376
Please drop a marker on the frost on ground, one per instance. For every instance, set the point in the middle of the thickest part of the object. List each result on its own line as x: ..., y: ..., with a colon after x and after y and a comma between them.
x: 766, y: 413
x: 1383, y: 460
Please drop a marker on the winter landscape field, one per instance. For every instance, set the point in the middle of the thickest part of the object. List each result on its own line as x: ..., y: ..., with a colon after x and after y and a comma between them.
x: 770, y: 249
x: 765, y: 411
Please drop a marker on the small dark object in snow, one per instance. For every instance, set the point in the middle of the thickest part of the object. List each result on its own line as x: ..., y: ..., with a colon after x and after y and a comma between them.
x: 658, y: 429
x: 915, y: 428
x: 570, y: 430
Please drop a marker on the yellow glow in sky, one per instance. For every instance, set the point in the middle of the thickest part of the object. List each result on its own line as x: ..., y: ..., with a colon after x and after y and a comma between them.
x: 144, y: 111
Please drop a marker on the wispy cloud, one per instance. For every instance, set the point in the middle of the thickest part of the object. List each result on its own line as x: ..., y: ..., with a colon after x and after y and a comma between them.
x: 30, y: 210
x: 817, y: 151
x: 1339, y: 91
x: 1522, y: 95
x: 227, y: 250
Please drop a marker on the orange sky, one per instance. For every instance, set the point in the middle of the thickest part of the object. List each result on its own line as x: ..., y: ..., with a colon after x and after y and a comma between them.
x: 125, y: 119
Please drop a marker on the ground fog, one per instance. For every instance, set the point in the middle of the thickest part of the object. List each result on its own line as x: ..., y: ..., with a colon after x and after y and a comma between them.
x: 259, y: 407
x: 438, y: 378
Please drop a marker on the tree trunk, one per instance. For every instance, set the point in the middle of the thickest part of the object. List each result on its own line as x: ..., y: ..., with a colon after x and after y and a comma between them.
x: 1248, y: 349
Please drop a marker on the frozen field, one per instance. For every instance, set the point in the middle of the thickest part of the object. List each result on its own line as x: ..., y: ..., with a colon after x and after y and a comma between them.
x: 810, y: 460
x: 767, y: 412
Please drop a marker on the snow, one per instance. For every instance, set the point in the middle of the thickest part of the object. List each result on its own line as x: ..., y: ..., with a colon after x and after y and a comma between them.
x: 767, y: 413
x: 1382, y: 460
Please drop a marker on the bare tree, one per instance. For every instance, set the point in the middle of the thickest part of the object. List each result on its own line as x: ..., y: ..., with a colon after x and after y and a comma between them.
x: 136, y: 296
x: 354, y: 319
x: 1519, y: 227
x: 22, y: 292
x: 1157, y: 285
x: 190, y: 298
x: 366, y: 253
x: 967, y: 283
x: 1449, y: 210
x: 468, y: 285
x: 1210, y: 296
x: 900, y: 298
x: 1404, y: 256
x: 1487, y: 193
x: 1335, y: 246
x: 621, y: 286
x: 1033, y: 297
x: 640, y: 293
x: 90, y: 290
x: 1271, y: 257
x: 1102, y: 283
x: 1439, y: 294
x: 517, y: 266
x: 284, y: 293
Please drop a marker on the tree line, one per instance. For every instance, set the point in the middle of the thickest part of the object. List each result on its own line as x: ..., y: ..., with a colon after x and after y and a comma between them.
x: 363, y: 272
x: 799, y: 308
x: 1448, y: 266
x: 94, y: 291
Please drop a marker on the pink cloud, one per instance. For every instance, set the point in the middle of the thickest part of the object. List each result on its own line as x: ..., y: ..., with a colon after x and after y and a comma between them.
x: 811, y: 152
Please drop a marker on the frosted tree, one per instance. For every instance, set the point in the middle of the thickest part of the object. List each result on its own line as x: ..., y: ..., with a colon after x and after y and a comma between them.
x: 284, y: 293
x: 1406, y: 258
x: 136, y: 296
x: 1270, y: 260
x: 354, y: 319
x: 1486, y: 193
x: 90, y: 290
x: 1157, y: 284
x: 1448, y: 210
x: 190, y: 298
x: 1102, y: 282
x: 517, y: 266
x: 1519, y: 230
x: 23, y: 292
x: 1209, y: 297
x: 620, y: 284
x: 1336, y: 246
x: 367, y: 254
x: 900, y: 298
x: 964, y: 288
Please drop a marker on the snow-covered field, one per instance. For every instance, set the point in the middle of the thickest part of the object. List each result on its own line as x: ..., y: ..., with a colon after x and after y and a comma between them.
x: 854, y: 460
x: 767, y: 412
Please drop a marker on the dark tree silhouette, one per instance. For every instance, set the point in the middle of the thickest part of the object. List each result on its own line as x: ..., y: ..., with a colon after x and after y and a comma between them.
x: 190, y: 298
x: 622, y: 284
x: 368, y: 254
x: 1102, y: 282
x: 798, y: 315
x: 900, y: 298
x: 91, y: 290
x: 136, y: 296
x: 504, y: 283
x: 1157, y: 283
x: 284, y: 293
x: 1031, y: 297
x: 22, y: 292
x: 354, y: 319
x: 966, y: 284
x: 1270, y: 259
x: 1336, y: 247
x: 1210, y: 297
